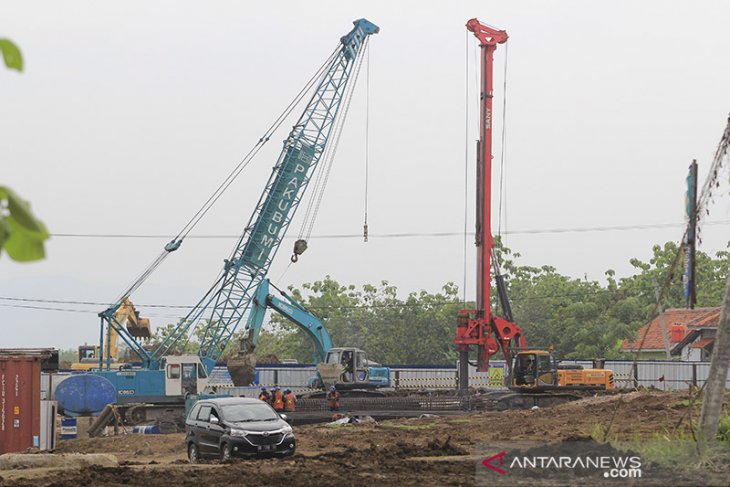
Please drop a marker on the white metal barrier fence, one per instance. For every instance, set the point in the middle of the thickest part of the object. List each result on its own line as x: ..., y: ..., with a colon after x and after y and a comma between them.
x: 660, y: 374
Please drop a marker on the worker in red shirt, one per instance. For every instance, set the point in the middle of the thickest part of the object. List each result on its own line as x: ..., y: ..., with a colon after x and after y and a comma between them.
x: 333, y: 396
x: 277, y: 399
x: 290, y: 400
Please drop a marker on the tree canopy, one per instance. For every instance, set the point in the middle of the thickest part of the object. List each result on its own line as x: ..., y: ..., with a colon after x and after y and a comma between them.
x: 581, y: 318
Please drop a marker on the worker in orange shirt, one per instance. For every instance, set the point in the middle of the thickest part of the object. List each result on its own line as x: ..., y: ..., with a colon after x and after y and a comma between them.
x: 277, y: 399
x: 333, y: 396
x: 290, y: 400
x: 264, y: 395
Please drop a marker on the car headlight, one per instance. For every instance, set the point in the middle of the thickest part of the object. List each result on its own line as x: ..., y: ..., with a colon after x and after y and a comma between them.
x: 237, y: 432
x: 286, y: 430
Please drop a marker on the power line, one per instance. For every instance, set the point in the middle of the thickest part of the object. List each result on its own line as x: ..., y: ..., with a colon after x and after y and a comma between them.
x: 650, y: 226
x: 457, y: 301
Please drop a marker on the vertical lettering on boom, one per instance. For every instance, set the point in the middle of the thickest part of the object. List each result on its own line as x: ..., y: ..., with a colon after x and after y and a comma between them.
x: 275, y: 214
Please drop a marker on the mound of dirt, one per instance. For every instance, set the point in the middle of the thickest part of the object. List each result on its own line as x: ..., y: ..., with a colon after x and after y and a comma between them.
x: 423, y: 452
x: 12, y: 461
x: 130, y: 447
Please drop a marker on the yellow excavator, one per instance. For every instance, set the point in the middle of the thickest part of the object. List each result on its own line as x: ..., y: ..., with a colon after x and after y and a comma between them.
x: 537, y: 370
x: 128, y: 316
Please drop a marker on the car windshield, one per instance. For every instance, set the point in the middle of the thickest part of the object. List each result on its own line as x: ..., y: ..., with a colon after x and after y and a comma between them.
x: 237, y: 413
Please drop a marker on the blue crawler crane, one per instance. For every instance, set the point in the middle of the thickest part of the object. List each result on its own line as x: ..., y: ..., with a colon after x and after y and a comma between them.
x: 164, y: 379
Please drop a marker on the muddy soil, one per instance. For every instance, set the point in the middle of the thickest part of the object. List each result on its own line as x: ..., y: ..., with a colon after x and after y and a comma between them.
x: 428, y: 451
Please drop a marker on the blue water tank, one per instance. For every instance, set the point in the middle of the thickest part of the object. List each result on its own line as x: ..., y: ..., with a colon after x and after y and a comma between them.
x: 86, y: 394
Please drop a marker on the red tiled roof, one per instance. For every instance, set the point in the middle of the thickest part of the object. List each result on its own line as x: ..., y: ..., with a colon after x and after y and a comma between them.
x: 702, y: 342
x: 709, y: 320
x: 691, y: 318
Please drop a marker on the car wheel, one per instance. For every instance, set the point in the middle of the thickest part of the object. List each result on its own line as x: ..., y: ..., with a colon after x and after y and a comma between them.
x: 225, y: 453
x: 193, y: 453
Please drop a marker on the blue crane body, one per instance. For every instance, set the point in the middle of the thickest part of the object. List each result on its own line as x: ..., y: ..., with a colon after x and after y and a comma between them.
x: 164, y: 377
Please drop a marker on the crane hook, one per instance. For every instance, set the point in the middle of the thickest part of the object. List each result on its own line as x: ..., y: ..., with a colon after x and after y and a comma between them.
x: 299, y: 247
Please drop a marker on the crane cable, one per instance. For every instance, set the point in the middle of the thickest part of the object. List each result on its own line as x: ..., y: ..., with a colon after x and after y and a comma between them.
x: 367, y: 146
x: 175, y: 243
x: 466, y: 160
x: 502, y: 184
x: 315, y: 201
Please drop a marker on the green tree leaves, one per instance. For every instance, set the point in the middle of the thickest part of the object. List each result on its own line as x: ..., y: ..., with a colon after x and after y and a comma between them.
x: 580, y: 318
x: 11, y: 54
x: 417, y: 329
x: 21, y: 233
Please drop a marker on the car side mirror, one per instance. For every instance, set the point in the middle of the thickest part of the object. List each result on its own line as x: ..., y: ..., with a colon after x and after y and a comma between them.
x: 214, y: 420
x: 284, y: 417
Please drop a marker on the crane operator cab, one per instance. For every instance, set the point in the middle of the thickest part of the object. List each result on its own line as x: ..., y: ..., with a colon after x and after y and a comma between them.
x: 345, y: 367
x: 184, y: 374
x: 534, y: 369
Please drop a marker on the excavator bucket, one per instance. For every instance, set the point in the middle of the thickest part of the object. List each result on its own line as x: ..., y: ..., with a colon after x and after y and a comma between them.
x: 242, y: 364
x: 330, y: 373
x: 242, y: 367
x: 139, y: 328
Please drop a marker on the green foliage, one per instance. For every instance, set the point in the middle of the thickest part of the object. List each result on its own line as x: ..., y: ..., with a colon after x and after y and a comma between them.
x: 585, y: 319
x: 723, y: 430
x: 580, y: 318
x: 417, y: 329
x: 21, y: 233
x: 70, y: 355
x: 182, y: 347
x: 11, y: 54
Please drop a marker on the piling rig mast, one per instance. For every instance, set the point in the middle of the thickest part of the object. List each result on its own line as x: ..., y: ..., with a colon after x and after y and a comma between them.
x: 479, y: 327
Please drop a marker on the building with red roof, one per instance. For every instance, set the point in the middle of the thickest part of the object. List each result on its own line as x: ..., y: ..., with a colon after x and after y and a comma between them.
x: 678, y: 333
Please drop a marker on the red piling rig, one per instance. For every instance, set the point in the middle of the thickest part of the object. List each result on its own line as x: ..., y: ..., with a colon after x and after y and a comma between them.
x: 479, y: 327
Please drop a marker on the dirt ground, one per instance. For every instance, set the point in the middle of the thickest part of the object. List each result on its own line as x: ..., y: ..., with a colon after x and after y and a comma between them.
x: 427, y: 451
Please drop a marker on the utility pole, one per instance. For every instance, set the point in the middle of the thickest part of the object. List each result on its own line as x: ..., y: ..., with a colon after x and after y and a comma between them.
x: 715, y: 385
x: 690, y: 293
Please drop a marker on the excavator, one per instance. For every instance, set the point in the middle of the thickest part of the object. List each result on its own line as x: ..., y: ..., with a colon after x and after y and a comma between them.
x: 533, y: 376
x: 137, y: 326
x: 346, y: 368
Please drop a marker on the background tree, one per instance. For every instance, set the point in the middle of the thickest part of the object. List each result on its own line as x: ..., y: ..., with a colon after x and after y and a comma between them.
x: 579, y: 317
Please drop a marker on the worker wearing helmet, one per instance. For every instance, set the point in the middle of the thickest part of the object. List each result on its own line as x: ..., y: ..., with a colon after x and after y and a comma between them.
x: 264, y: 395
x: 290, y: 400
x: 277, y: 400
x: 333, y: 396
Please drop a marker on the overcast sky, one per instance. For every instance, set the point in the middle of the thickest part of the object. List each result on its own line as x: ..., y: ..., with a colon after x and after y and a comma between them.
x: 129, y: 114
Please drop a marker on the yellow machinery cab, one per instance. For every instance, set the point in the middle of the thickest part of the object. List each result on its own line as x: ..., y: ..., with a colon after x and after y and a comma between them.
x: 538, y: 370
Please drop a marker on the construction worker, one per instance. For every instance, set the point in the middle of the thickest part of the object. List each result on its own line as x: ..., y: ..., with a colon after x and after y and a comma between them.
x: 277, y: 399
x: 264, y: 395
x: 334, y: 399
x: 290, y: 400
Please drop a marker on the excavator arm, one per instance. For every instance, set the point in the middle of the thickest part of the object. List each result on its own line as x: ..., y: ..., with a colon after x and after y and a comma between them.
x: 242, y: 366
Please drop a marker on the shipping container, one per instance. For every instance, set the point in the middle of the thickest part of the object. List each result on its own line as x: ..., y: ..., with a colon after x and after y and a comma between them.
x: 20, y: 399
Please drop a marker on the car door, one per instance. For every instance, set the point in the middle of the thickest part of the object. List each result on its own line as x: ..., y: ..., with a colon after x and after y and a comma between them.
x: 215, y: 430
x: 205, y: 437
